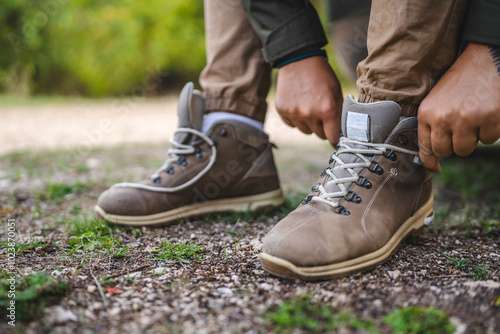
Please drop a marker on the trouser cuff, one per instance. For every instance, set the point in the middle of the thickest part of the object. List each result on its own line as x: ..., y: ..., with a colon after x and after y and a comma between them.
x: 240, y: 107
x: 407, y: 109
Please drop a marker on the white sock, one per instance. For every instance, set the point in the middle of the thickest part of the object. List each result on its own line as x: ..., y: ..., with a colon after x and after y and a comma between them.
x: 215, y: 117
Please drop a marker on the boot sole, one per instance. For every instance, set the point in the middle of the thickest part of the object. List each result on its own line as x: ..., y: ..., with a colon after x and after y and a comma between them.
x: 286, y: 269
x: 254, y: 203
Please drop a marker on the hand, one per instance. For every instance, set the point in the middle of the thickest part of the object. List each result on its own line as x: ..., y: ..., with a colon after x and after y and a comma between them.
x: 462, y: 109
x: 308, y: 96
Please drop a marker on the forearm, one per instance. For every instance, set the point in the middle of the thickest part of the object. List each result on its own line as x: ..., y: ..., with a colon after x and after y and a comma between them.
x: 482, y: 22
x: 285, y: 26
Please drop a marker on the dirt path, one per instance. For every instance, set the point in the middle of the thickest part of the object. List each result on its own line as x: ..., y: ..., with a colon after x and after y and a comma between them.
x: 107, y: 123
x: 117, y: 281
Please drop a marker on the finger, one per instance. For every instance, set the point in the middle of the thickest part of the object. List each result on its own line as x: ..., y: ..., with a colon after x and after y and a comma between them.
x: 441, y: 144
x: 287, y: 120
x: 465, y: 143
x: 303, y: 127
x: 332, y: 131
x: 317, y: 128
x: 489, y: 134
x: 425, y: 153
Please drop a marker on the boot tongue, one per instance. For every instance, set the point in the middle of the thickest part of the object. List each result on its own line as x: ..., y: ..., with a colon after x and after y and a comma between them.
x: 365, y: 122
x: 190, y: 112
x: 369, y: 122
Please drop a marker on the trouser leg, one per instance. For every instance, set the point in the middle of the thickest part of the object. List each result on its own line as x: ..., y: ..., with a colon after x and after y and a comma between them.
x: 348, y: 26
x: 236, y: 78
x: 410, y: 44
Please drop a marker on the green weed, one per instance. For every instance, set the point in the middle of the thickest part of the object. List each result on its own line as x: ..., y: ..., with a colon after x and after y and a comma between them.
x: 55, y: 192
x: 32, y: 293
x: 94, y: 235
x: 179, y: 251
x: 478, y: 272
x: 302, y: 314
x: 419, y: 320
x: 458, y: 263
x: 75, y: 209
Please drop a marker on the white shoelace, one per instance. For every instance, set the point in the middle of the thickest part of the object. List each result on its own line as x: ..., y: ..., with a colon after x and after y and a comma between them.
x: 332, y: 198
x: 174, y: 153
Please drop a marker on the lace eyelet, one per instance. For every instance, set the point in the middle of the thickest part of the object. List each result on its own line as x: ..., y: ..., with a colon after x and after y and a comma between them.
x: 170, y: 170
x: 182, y: 160
x: 323, y: 173
x: 363, y: 182
x: 375, y: 168
x: 316, y: 186
x: 391, y: 155
x: 341, y: 210
x: 198, y: 153
x: 338, y: 209
x: 222, y: 132
x: 157, y: 180
x: 307, y: 199
x: 352, y: 197
x: 403, y: 140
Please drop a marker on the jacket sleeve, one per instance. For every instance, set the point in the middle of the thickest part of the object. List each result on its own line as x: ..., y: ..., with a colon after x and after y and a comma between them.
x: 482, y: 22
x: 284, y: 26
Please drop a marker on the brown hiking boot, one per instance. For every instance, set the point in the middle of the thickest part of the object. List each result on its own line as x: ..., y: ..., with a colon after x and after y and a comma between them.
x: 230, y: 168
x: 374, y: 193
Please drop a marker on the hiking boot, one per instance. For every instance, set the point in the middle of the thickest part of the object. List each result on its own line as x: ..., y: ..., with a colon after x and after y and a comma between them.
x: 228, y: 168
x: 374, y: 193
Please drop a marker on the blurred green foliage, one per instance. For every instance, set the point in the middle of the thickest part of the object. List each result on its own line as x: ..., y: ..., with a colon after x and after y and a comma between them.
x: 97, y: 48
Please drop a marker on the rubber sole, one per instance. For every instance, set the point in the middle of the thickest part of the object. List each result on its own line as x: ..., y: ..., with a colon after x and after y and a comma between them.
x: 255, y: 202
x: 282, y: 268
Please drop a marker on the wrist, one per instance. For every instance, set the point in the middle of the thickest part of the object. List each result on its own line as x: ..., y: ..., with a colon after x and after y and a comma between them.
x: 299, y: 56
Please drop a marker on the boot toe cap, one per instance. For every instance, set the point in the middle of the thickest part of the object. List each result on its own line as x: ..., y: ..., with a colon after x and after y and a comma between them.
x: 123, y: 202
x: 308, y: 238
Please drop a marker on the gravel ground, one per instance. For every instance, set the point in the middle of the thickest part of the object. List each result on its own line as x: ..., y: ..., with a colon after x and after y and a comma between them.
x: 225, y: 290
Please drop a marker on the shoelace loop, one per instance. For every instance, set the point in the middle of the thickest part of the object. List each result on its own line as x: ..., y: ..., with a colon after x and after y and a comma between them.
x: 371, y: 149
x: 174, y: 153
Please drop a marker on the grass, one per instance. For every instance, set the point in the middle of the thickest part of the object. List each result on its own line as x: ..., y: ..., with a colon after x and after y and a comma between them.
x: 183, y: 252
x: 419, y: 320
x: 94, y: 235
x: 473, y: 176
x: 56, y: 192
x: 473, y: 183
x: 478, y: 271
x: 302, y: 314
x: 32, y: 293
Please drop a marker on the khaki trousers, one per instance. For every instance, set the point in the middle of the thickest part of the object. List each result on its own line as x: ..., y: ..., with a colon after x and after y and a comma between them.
x: 236, y: 78
x: 411, y: 44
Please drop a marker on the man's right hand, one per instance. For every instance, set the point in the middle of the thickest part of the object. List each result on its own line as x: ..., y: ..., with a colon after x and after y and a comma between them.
x: 309, y: 97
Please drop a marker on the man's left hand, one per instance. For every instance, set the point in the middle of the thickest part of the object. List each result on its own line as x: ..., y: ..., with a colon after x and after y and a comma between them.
x: 462, y: 109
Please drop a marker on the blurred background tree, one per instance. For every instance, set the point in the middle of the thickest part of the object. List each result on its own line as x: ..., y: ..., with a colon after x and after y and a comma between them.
x: 98, y: 48
x: 101, y: 48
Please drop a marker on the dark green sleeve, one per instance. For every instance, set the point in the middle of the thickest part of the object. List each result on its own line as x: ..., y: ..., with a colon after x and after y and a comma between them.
x: 284, y: 26
x: 482, y: 22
